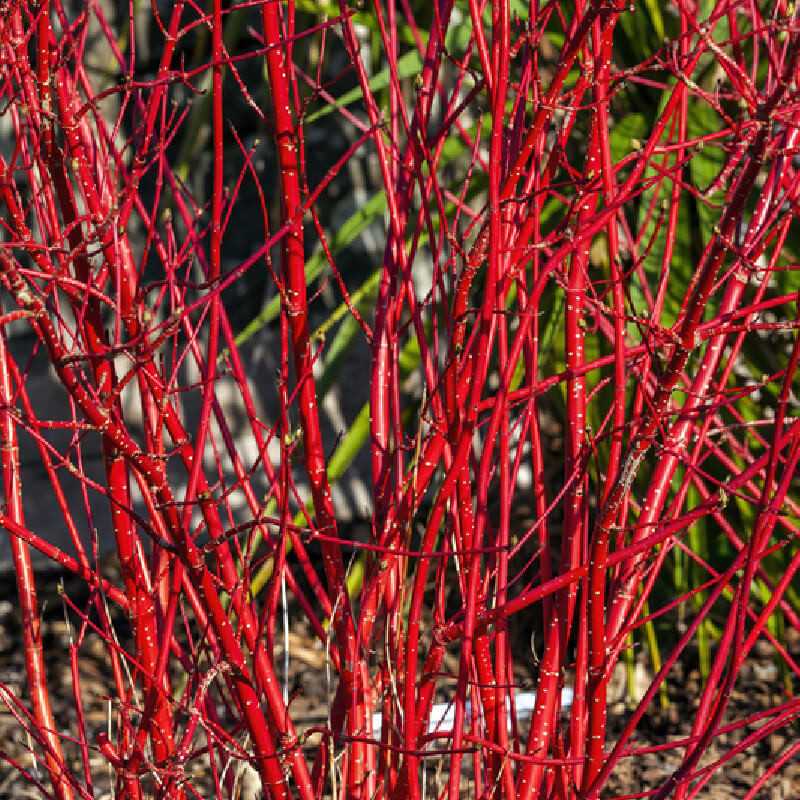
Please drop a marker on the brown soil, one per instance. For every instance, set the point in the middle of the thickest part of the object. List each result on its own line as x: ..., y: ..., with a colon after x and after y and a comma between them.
x: 760, y: 687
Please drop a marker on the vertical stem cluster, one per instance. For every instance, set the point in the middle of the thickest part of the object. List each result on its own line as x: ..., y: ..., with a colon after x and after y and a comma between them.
x: 574, y: 326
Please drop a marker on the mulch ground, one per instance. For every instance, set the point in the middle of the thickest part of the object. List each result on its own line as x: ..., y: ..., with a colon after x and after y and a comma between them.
x: 760, y: 687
